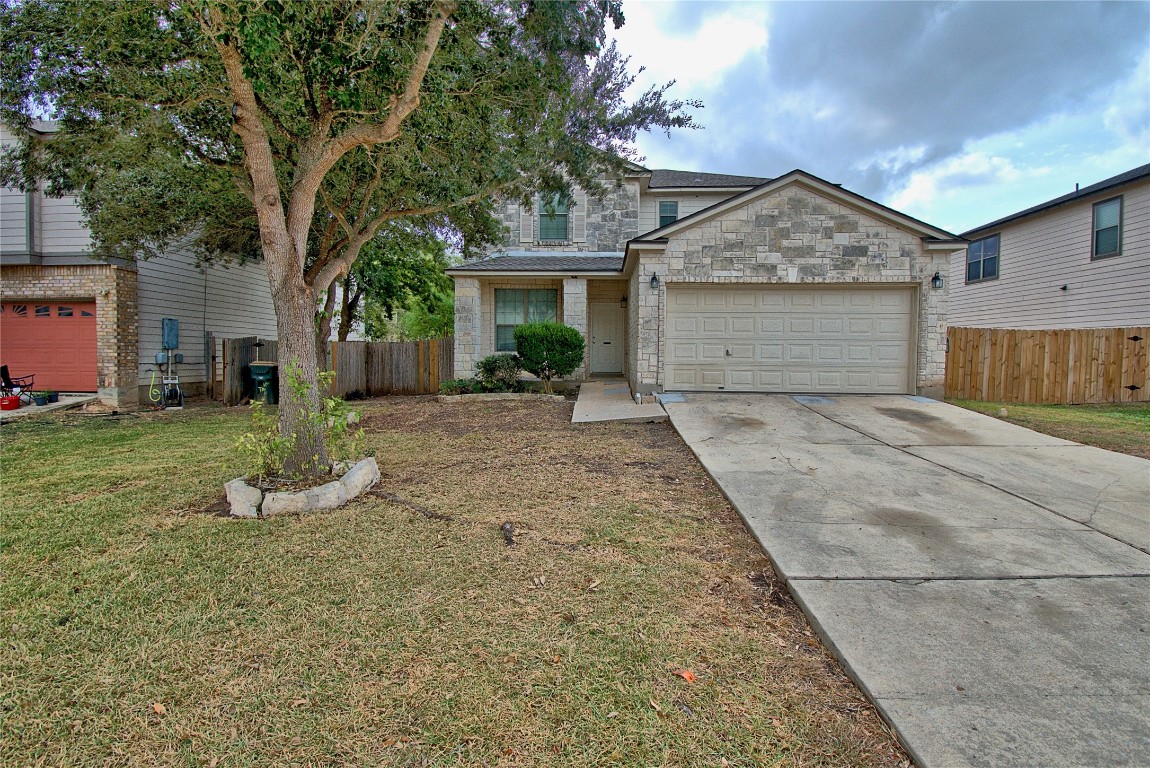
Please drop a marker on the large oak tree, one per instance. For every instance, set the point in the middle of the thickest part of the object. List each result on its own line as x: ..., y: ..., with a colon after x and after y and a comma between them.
x: 300, y: 129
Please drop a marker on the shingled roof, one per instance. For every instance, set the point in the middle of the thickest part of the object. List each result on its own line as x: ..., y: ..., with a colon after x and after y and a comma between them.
x: 663, y: 178
x: 1133, y: 174
x: 545, y: 262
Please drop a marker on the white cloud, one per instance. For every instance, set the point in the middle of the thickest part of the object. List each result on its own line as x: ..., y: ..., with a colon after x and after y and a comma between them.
x: 1128, y: 115
x: 697, y: 58
x: 923, y: 187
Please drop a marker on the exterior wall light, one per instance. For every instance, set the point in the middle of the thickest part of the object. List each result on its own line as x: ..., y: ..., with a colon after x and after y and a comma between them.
x: 655, y: 282
x: 623, y: 303
x: 936, y: 281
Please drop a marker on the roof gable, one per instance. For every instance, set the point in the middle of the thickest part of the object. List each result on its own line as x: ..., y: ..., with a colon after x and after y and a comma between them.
x: 815, y: 184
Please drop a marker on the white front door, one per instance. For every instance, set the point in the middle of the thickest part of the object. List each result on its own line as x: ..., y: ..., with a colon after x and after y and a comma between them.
x: 607, y: 338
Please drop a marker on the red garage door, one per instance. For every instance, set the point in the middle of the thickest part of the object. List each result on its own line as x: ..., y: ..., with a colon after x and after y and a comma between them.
x: 55, y: 341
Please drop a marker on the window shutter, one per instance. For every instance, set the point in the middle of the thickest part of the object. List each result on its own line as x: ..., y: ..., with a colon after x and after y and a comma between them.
x: 526, y: 225
x: 579, y: 217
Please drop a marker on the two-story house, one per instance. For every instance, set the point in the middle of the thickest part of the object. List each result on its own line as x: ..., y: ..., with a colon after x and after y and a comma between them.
x: 709, y: 282
x: 80, y: 324
x: 1081, y: 260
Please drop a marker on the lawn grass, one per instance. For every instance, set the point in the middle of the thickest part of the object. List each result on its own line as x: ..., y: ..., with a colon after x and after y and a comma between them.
x: 1122, y: 427
x: 138, y: 628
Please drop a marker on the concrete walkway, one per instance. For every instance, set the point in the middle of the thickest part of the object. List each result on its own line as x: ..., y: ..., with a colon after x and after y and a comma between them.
x: 66, y: 402
x: 988, y: 587
x: 611, y: 400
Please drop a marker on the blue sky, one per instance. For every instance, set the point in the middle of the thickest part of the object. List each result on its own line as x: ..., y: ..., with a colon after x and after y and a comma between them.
x: 956, y: 113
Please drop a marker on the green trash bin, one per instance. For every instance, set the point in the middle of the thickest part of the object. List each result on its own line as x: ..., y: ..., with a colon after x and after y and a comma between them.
x: 265, y: 381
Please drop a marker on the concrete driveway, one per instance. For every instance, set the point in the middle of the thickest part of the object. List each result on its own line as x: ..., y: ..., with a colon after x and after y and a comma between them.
x: 987, y: 586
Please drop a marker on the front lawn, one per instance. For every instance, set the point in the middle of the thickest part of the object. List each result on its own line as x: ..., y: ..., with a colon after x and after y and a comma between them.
x: 140, y: 628
x: 1122, y: 427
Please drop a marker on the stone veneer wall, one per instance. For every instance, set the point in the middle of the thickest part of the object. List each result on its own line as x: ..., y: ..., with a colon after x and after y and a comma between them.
x: 611, y: 222
x: 117, y: 315
x: 793, y: 236
x: 575, y: 315
x: 475, y: 316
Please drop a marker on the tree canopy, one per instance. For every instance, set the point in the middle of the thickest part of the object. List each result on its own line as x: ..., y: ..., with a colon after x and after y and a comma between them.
x: 306, y: 127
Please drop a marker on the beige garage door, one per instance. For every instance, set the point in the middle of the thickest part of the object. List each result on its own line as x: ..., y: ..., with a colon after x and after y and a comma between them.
x: 784, y: 339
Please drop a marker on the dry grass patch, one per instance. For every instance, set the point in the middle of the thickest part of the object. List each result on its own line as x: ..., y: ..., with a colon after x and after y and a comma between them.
x: 400, y: 630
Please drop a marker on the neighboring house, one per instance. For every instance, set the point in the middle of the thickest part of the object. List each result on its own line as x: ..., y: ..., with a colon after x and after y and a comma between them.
x: 1078, y: 261
x: 85, y: 325
x: 709, y: 282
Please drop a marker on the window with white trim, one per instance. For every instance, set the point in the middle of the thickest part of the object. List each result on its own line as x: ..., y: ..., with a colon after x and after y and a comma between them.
x: 516, y: 306
x: 1107, y: 230
x: 982, y: 259
x: 668, y: 212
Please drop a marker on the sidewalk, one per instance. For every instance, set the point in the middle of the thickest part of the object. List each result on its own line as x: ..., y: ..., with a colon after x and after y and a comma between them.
x: 611, y: 400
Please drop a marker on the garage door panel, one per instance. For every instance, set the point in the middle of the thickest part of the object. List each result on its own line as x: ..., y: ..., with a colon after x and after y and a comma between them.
x: 824, y: 339
x: 54, y: 341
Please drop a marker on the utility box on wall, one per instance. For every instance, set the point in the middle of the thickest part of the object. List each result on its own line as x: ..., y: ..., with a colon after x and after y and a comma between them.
x: 171, y: 333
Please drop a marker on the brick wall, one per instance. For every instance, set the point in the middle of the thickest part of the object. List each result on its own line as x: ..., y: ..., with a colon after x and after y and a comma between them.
x: 117, y: 315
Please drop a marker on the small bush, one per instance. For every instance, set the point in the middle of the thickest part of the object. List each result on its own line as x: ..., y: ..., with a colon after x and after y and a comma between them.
x: 457, y: 387
x: 498, y: 373
x: 549, y: 350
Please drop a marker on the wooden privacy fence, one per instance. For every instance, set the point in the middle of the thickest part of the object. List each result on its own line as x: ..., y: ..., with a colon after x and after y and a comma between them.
x: 1092, y: 365
x: 367, y: 367
x: 392, y: 367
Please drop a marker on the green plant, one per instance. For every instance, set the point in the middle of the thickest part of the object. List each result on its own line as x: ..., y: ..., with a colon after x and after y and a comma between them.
x: 457, y: 387
x: 498, y: 373
x: 266, y: 449
x: 549, y: 350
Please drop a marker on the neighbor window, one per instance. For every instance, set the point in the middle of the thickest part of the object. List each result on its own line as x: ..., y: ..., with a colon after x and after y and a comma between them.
x: 982, y: 259
x: 668, y: 212
x: 553, y: 219
x: 516, y: 306
x: 1107, y: 228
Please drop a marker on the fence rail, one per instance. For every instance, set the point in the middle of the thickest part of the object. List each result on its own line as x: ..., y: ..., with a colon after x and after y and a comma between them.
x: 1094, y: 365
x: 365, y: 367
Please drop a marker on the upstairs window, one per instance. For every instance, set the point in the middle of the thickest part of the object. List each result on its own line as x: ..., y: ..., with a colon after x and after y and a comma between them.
x: 668, y: 212
x: 516, y: 306
x: 982, y: 259
x: 553, y: 224
x: 1107, y: 228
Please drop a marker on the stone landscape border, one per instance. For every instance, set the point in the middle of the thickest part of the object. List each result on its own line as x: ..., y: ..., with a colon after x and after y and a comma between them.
x: 500, y: 396
x: 250, y: 502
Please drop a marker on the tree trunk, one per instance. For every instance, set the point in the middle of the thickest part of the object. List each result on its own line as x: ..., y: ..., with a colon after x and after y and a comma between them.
x: 299, y: 410
x: 347, y: 312
x: 323, y: 329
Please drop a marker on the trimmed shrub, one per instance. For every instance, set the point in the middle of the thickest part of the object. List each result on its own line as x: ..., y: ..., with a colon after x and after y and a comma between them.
x: 457, y: 387
x: 549, y: 350
x: 498, y: 373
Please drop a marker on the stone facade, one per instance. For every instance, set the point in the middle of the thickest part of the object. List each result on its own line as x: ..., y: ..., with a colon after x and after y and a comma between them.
x: 467, y: 326
x: 117, y: 315
x: 575, y: 315
x: 611, y: 222
x: 793, y: 235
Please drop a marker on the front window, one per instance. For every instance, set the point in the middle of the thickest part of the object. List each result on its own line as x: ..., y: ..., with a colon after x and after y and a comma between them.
x: 1107, y: 228
x: 516, y: 306
x: 553, y: 220
x: 982, y: 259
x: 668, y: 212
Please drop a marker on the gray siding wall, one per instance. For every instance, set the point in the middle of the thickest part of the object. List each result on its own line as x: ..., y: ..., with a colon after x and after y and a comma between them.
x: 228, y: 300
x: 1040, y: 254
x: 688, y: 203
x: 57, y: 223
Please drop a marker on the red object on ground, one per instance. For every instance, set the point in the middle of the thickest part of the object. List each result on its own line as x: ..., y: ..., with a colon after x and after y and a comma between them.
x: 53, y: 340
x: 9, y: 403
